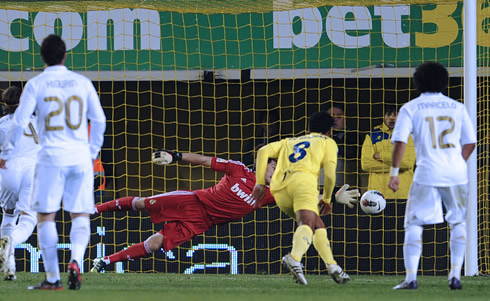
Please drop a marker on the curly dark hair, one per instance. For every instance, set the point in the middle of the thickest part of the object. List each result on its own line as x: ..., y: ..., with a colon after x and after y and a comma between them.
x: 431, y: 77
x: 53, y: 50
x: 320, y: 122
x: 10, y: 99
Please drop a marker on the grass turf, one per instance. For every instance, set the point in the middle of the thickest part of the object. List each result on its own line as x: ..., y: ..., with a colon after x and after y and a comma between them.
x: 159, y: 286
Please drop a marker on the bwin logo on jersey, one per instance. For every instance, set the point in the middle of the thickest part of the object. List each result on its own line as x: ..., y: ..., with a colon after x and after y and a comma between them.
x: 243, y: 195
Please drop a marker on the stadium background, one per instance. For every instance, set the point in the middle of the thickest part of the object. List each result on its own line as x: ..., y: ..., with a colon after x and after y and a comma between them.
x: 217, y: 115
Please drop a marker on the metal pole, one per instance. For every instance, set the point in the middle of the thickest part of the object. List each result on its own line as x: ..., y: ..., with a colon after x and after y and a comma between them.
x: 470, y: 100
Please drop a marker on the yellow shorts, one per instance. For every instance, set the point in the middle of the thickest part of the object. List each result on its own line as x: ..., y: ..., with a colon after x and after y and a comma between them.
x: 300, y: 193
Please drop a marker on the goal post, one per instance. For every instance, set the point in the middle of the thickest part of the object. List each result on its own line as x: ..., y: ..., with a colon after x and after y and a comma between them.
x: 470, y: 99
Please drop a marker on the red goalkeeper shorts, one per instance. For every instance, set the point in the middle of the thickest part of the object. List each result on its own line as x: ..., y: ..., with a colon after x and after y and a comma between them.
x: 184, y: 214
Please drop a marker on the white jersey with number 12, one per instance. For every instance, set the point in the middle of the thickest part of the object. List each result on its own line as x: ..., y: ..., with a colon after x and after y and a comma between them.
x: 440, y: 126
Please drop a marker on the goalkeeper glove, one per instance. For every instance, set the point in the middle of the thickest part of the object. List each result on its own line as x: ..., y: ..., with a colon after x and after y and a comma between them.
x: 347, y: 197
x: 164, y: 157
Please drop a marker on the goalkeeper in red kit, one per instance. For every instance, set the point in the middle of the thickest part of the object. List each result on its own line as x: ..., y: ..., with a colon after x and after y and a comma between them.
x: 190, y: 213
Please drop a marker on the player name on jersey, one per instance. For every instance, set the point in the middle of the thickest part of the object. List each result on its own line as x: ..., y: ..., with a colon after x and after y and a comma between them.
x: 69, y: 83
x: 436, y: 105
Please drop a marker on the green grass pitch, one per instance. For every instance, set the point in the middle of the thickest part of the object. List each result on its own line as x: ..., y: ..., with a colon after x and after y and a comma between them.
x: 159, y: 286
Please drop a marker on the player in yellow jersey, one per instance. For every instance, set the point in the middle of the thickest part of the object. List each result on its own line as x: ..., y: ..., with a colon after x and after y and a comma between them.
x: 294, y: 187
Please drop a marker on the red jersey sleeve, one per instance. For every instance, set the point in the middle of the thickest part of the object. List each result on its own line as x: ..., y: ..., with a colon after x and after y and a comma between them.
x: 228, y: 166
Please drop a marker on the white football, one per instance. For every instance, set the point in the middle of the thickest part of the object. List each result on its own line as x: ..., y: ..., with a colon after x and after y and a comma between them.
x: 372, y: 202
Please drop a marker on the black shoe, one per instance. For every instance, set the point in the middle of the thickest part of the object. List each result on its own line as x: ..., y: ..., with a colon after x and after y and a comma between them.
x: 455, y: 284
x: 99, y: 265
x: 45, y: 285
x: 412, y: 285
x: 74, y: 278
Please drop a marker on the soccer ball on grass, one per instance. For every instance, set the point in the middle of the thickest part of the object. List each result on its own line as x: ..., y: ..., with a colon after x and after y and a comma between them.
x: 372, y: 202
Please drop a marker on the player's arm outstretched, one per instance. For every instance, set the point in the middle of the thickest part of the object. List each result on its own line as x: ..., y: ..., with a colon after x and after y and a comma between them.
x: 164, y: 157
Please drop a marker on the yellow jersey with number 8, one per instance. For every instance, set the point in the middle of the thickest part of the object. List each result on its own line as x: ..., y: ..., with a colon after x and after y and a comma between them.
x: 308, y: 153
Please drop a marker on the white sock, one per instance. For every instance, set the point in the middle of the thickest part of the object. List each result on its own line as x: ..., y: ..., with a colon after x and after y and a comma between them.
x: 457, y: 247
x: 79, y: 237
x: 412, y: 250
x: 24, y: 229
x: 48, y: 238
x: 8, y: 223
x: 11, y: 264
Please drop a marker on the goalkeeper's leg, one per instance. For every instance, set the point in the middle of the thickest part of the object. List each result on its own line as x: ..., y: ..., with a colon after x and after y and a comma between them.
x: 127, y: 203
x: 150, y: 245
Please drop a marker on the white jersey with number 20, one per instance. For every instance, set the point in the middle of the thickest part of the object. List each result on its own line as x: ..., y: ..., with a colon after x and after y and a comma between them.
x: 440, y: 126
x: 62, y: 100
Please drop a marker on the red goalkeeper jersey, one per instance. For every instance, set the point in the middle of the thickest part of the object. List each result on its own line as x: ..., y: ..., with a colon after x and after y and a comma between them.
x: 231, y: 198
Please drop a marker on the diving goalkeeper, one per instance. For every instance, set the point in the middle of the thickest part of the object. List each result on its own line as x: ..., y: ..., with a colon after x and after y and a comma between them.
x: 190, y: 213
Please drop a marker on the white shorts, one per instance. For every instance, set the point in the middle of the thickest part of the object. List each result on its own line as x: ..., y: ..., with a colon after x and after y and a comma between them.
x: 72, y: 184
x: 17, y: 184
x: 424, y: 205
x: 7, y: 199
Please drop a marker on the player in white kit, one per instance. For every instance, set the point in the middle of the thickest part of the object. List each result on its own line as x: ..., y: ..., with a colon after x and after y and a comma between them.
x: 444, y: 138
x: 63, y: 101
x: 17, y: 181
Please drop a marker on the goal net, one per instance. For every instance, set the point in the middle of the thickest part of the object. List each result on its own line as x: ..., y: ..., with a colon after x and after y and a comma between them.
x: 220, y: 78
